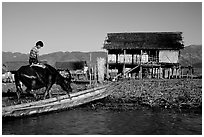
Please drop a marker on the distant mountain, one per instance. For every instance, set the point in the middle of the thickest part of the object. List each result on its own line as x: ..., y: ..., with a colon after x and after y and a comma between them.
x: 52, y: 58
x: 190, y: 55
x: 16, y: 56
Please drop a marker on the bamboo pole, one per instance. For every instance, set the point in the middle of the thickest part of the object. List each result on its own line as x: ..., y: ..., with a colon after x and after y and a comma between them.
x: 160, y: 72
x: 140, y: 72
x: 152, y: 72
x: 168, y: 73
x: 176, y: 73
x: 95, y: 76
x: 107, y: 67
x: 132, y: 59
x: 90, y: 69
x: 124, y: 62
x: 116, y: 58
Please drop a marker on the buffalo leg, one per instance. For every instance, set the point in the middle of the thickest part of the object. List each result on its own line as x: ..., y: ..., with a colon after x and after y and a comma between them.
x: 18, y: 91
x: 48, y: 91
x: 69, y: 91
x: 18, y: 87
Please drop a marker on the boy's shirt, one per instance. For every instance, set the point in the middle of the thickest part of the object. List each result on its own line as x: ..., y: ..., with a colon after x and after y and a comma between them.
x: 34, y: 52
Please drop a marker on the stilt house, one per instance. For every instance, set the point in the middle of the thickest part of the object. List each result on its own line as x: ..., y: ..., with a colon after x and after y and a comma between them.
x: 144, y: 54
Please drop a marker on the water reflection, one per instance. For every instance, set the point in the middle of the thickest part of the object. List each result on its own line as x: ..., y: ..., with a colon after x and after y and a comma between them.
x: 145, y: 122
x: 131, y: 122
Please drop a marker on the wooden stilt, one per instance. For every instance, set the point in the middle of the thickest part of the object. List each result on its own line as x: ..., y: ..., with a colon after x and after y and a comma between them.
x: 163, y: 72
x: 140, y: 75
x: 157, y: 73
x: 160, y: 72
x: 124, y: 62
x: 90, y: 71
x: 107, y: 68
x: 95, y: 76
x: 176, y: 73
x: 168, y: 73
x: 152, y: 72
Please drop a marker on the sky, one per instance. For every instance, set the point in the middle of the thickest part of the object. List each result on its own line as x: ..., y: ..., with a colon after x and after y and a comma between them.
x: 69, y: 26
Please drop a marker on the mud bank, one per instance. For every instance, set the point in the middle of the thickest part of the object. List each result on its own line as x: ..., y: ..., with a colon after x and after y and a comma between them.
x: 167, y: 94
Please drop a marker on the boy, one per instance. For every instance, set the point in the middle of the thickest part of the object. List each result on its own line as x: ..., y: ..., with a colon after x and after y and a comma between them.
x: 33, y: 58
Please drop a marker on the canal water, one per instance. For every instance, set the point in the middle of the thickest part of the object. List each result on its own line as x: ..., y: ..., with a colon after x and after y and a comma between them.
x: 104, y: 121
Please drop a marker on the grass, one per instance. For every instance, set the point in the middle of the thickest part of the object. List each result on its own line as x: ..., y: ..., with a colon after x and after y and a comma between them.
x: 171, y: 93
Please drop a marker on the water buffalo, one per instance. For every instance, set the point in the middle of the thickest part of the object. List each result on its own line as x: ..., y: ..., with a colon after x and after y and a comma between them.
x: 35, y: 77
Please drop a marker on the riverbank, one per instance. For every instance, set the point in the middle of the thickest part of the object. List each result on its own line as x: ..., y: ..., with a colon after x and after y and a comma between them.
x: 156, y: 93
x: 132, y: 94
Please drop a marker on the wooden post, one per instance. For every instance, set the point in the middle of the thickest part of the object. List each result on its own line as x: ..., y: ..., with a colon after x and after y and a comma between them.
x: 163, y: 76
x: 140, y: 72
x: 107, y: 67
x: 172, y: 72
x: 179, y: 72
x: 152, y: 72
x: 116, y: 58
x: 187, y: 72
x: 168, y: 73
x: 176, y: 73
x: 160, y: 72
x: 90, y: 69
x: 95, y: 76
x: 100, y: 69
x: 136, y: 59
x: 132, y: 59
x: 124, y: 62
x: 156, y: 72
x: 141, y: 56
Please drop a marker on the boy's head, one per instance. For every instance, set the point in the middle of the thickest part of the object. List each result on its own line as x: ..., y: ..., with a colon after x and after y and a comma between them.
x: 39, y: 44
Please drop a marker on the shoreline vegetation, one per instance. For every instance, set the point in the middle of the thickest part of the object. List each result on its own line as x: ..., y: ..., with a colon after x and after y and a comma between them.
x: 132, y: 94
x: 160, y: 93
